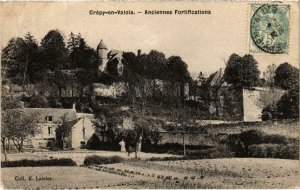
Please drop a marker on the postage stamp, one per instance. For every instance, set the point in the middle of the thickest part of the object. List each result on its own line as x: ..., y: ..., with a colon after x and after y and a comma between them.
x: 269, y: 29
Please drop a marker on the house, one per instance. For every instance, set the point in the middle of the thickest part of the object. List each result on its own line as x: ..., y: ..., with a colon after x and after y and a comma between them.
x: 80, y: 125
x: 48, y: 121
x: 81, y: 130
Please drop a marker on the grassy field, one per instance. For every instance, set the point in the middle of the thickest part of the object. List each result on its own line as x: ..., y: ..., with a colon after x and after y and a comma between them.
x: 231, y: 173
x: 63, y: 178
x: 77, y: 156
x: 213, y: 173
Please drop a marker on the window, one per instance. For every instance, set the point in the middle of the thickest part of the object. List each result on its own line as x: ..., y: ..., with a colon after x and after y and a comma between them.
x: 50, y: 130
x: 49, y: 118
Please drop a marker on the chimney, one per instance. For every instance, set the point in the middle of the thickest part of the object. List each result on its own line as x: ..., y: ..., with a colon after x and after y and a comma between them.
x: 74, y: 107
x: 139, y: 52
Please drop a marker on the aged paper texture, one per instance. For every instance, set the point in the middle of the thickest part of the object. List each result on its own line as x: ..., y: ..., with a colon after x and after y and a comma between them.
x: 149, y: 95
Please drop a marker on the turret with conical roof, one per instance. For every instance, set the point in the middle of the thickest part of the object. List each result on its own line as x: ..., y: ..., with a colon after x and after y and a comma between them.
x: 101, y: 45
x: 102, y: 53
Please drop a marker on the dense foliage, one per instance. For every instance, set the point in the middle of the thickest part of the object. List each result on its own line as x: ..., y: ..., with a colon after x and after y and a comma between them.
x: 39, y: 163
x: 242, y: 71
x: 287, y: 78
x: 256, y: 143
x: 16, y: 125
x: 94, y: 159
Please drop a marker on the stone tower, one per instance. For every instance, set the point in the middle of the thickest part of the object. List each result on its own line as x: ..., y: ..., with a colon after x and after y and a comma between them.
x: 102, y: 53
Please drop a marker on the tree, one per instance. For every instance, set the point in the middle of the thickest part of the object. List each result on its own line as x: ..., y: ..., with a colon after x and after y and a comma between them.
x: 145, y: 127
x: 286, y: 76
x: 16, y: 125
x: 19, y: 60
x: 131, y: 74
x: 31, y: 67
x: 7, y: 103
x: 288, y: 105
x: 155, y: 65
x: 242, y: 71
x: 87, y: 72
x: 73, y: 53
x: 63, y: 130
x: 183, y: 119
x: 269, y: 74
x: 14, y: 60
x: 54, y: 59
x: 269, y: 97
x: 53, y: 49
x: 39, y: 101
x: 22, y: 126
x: 177, y: 74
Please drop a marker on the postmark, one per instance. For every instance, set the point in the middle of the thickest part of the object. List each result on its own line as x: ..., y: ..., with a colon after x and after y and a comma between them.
x: 269, y: 29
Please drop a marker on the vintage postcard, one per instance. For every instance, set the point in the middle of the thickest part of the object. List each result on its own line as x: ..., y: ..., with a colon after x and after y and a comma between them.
x: 150, y: 95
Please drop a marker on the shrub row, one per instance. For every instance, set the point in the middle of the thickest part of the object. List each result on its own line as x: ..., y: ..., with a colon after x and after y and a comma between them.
x: 274, y: 151
x: 94, y: 159
x: 256, y: 143
x: 259, y: 137
x: 172, y: 148
x: 212, y: 153
x: 37, y: 163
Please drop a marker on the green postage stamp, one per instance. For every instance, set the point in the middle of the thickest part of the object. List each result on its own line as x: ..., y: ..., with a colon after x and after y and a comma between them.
x: 269, y: 28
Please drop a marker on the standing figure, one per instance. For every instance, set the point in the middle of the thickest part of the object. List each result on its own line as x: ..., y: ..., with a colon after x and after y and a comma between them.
x: 122, y: 144
x: 138, y: 147
x: 129, y: 150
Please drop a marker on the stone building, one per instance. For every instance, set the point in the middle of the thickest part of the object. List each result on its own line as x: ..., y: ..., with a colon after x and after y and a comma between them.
x: 82, y: 129
x: 113, y: 58
x: 48, y: 121
x: 237, y: 104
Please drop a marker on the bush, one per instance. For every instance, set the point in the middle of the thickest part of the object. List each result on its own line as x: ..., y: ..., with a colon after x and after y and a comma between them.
x: 241, y: 143
x: 274, y: 151
x: 212, y: 153
x: 269, y: 112
x: 154, y: 159
x: 37, y: 163
x: 252, y: 136
x: 275, y: 139
x: 288, y: 105
x: 173, y: 148
x: 94, y: 159
x: 95, y: 144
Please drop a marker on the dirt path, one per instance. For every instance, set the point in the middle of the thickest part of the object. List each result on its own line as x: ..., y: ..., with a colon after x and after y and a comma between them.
x: 79, y: 155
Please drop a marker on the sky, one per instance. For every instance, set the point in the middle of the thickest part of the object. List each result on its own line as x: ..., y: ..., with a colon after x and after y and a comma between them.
x: 204, y: 42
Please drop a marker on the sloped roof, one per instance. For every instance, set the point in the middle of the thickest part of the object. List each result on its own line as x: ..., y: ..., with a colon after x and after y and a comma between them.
x: 70, y: 124
x: 115, y: 54
x: 101, y: 45
x: 216, y: 78
x: 57, y: 113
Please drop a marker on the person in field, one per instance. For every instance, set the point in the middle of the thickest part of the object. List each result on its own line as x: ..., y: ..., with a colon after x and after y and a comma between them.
x: 130, y: 150
x: 138, y: 147
x: 122, y: 144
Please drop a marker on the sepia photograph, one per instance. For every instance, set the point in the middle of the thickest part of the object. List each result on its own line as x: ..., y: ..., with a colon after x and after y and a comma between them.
x: 150, y: 95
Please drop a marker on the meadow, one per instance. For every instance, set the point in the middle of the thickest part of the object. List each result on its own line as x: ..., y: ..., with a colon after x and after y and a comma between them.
x: 211, y: 173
